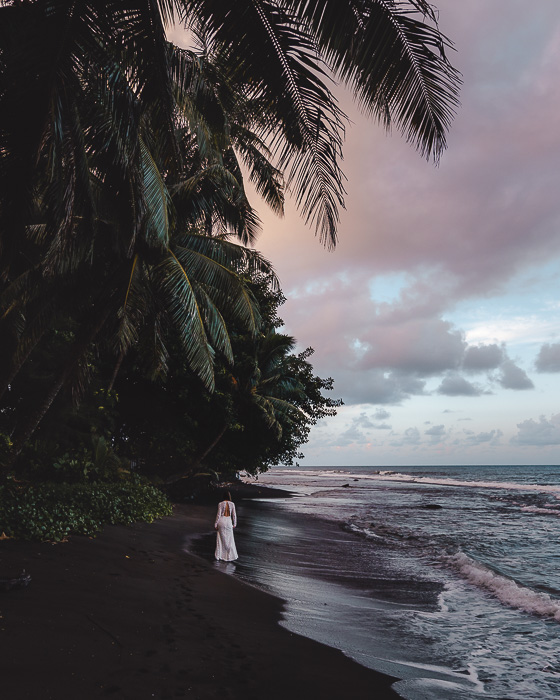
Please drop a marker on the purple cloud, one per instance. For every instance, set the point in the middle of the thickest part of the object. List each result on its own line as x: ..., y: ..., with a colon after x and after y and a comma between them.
x: 378, y: 387
x: 482, y: 358
x: 455, y: 385
x: 441, y: 236
x: 357, y: 432
x: 437, y: 433
x: 541, y: 432
x: 492, y: 437
x: 411, y: 436
x: 421, y: 346
x: 513, y: 377
x: 548, y: 359
x: 460, y: 227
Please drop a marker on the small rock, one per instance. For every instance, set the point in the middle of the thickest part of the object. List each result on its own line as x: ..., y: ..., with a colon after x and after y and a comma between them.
x: 24, y: 579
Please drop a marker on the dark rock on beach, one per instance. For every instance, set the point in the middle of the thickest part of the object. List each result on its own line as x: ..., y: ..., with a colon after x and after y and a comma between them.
x: 7, y: 583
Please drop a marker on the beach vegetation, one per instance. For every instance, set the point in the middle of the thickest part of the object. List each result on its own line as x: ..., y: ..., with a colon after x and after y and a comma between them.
x: 55, y: 511
x: 169, y: 427
x: 259, y: 415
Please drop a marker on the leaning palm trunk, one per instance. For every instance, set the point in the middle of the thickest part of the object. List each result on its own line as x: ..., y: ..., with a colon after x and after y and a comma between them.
x: 116, y: 371
x: 199, y: 459
x: 14, y: 368
x: 36, y: 416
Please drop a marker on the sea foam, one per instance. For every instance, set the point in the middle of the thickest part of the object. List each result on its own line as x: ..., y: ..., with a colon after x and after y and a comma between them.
x: 393, y: 476
x: 505, y: 589
x: 447, y: 481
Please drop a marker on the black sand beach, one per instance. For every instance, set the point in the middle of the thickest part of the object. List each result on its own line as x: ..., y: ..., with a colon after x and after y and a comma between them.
x: 129, y: 615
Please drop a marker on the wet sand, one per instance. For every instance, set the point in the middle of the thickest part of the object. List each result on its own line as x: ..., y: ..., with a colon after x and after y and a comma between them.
x: 129, y: 615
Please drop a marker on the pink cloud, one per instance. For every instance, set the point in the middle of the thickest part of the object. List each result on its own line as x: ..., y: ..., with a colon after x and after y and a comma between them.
x: 456, y: 232
x: 491, y: 206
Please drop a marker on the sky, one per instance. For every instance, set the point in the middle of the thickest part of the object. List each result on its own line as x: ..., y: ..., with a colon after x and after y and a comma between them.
x: 437, y: 315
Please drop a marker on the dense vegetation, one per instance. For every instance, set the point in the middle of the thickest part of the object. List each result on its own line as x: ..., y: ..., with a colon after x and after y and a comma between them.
x: 259, y: 414
x: 55, y: 511
x: 139, y: 328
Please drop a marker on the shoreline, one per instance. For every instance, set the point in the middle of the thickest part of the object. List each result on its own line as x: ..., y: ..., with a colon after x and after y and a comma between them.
x: 130, y: 615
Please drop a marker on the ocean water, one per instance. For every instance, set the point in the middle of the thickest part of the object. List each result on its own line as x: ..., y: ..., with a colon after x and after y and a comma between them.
x: 446, y: 577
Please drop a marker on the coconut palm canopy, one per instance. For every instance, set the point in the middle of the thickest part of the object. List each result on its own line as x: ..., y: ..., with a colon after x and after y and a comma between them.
x: 84, y: 77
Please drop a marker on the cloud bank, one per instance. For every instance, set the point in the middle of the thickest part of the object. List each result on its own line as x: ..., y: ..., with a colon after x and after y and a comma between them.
x: 419, y: 244
x: 542, y: 432
x: 548, y: 359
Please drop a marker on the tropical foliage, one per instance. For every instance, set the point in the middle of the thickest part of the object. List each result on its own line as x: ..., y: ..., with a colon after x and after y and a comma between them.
x: 55, y: 511
x: 260, y: 413
x: 122, y: 162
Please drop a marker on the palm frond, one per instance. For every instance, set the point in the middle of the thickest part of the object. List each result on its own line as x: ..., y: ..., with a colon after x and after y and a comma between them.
x: 213, y: 193
x: 268, y: 180
x: 214, y: 323
x: 268, y: 414
x: 243, y: 260
x: 133, y: 311
x: 394, y: 57
x: 156, y: 198
x: 227, y: 287
x: 152, y: 344
x: 283, y: 407
x: 272, y: 55
x: 205, y: 100
x: 184, y: 311
x: 218, y: 113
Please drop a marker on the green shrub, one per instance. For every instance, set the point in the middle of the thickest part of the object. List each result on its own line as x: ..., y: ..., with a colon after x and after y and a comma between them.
x: 54, y: 511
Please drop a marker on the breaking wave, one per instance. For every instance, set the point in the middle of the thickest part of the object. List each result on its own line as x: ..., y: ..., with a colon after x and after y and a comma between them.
x: 505, y: 589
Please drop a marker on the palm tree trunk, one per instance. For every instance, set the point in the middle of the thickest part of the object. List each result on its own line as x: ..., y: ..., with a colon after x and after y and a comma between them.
x: 16, y: 366
x: 197, y: 461
x: 36, y: 416
x: 202, y: 455
x: 116, y: 371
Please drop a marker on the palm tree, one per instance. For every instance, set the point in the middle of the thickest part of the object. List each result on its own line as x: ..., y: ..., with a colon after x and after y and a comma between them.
x: 173, y: 280
x: 263, y: 382
x: 185, y: 294
x: 272, y: 386
x: 179, y: 281
x: 182, y: 294
x: 98, y: 110
x: 189, y: 270
x: 391, y: 54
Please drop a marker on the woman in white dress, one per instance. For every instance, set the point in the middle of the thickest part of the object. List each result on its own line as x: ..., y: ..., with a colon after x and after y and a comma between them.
x: 226, y: 520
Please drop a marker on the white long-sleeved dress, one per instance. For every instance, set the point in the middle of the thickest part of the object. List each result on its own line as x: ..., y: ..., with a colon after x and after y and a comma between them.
x: 225, y: 542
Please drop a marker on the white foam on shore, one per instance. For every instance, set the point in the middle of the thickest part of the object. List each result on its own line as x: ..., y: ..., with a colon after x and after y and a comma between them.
x: 430, y: 689
x: 504, y: 589
x: 363, y: 531
x: 547, y: 510
x: 429, y: 480
x: 445, y: 481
